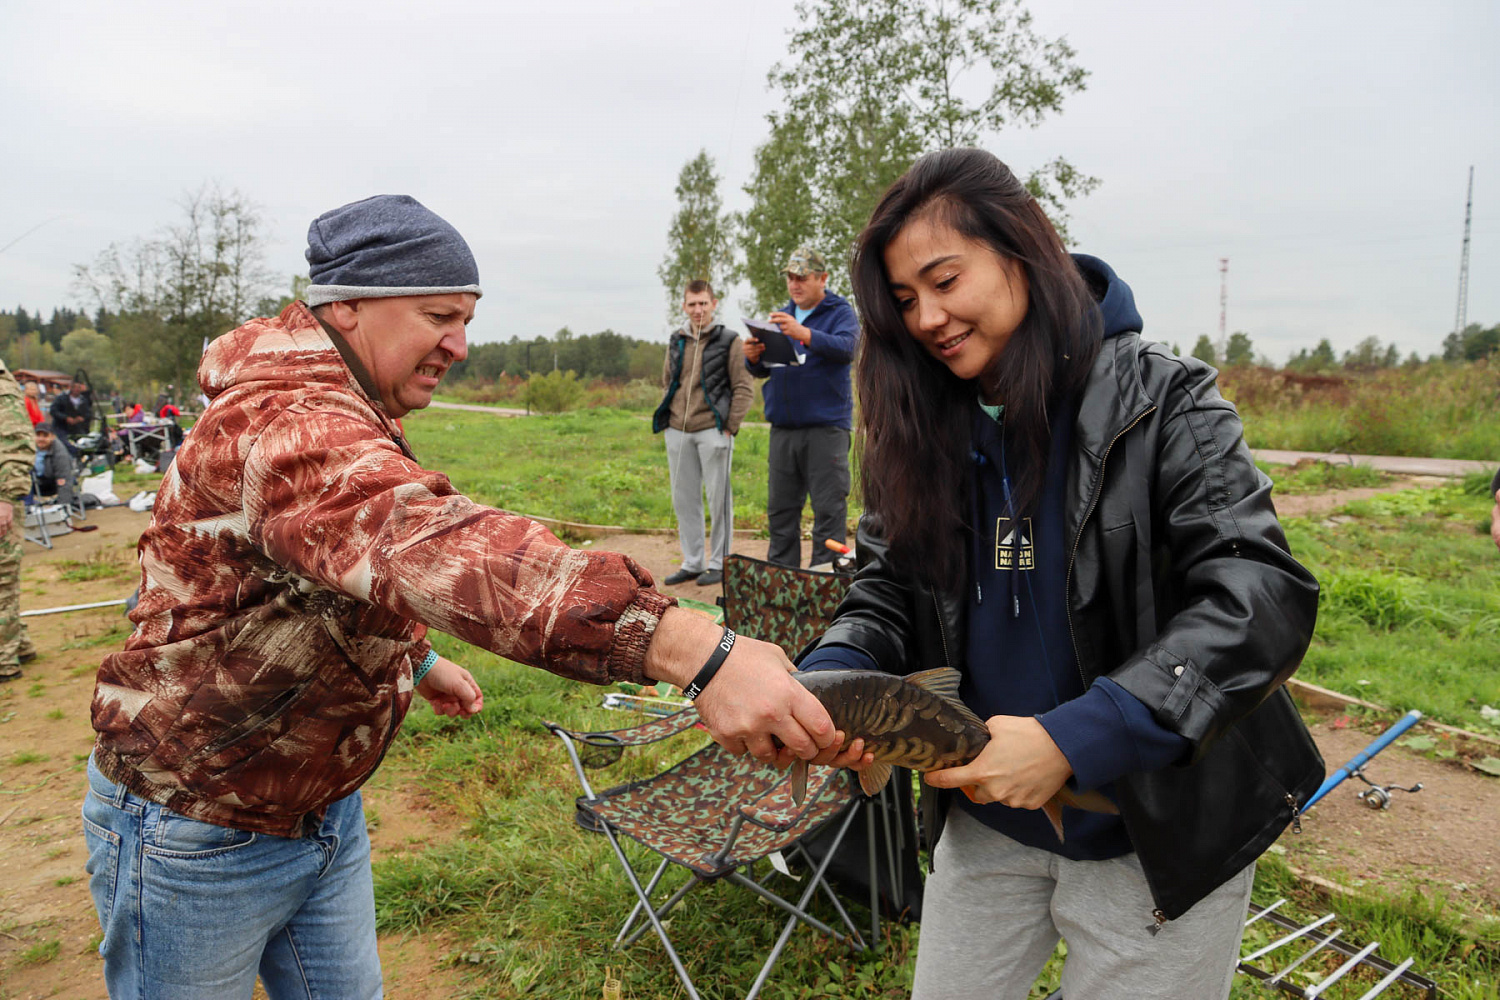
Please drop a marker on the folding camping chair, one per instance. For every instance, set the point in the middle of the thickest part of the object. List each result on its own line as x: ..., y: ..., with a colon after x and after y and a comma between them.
x: 43, y: 520
x: 792, y: 607
x: 715, y: 815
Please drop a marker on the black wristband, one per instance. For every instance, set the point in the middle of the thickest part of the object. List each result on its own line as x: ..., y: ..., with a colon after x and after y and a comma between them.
x: 715, y: 661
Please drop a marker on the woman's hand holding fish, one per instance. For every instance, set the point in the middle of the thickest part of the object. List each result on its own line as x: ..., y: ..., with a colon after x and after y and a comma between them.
x: 1020, y: 766
x: 751, y: 699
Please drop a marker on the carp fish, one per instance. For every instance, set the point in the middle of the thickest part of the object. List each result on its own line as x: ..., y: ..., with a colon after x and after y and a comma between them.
x: 916, y: 721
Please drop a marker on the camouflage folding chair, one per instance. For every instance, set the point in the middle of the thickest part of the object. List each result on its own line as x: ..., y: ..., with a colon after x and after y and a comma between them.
x: 715, y: 815
x: 792, y: 607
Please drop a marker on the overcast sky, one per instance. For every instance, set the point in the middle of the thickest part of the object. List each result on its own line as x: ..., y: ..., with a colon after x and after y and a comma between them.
x: 1323, y: 148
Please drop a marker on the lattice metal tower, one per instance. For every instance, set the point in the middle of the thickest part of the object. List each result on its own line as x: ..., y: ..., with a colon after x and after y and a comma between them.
x: 1223, y: 301
x: 1462, y: 319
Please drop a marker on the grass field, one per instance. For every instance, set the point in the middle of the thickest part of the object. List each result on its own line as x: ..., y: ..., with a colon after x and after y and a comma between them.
x: 1410, y: 613
x: 593, y: 466
x: 1434, y: 411
x: 1410, y: 617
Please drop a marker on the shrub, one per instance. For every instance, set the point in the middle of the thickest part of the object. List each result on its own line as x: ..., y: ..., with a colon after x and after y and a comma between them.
x: 554, y: 392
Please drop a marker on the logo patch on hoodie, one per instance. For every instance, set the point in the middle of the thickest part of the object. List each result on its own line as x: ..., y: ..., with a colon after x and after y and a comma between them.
x: 1006, y: 547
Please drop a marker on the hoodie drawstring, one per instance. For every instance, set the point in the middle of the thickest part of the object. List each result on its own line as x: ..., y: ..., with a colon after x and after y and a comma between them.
x: 1015, y: 535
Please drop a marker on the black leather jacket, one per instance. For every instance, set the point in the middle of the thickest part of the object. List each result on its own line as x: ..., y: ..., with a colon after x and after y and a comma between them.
x: 1181, y: 590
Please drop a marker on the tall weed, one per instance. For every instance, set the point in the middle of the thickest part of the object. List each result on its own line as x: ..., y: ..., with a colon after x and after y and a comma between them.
x: 1437, y: 410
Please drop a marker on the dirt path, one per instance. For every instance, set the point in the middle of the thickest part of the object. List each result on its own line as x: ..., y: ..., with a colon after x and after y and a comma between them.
x: 48, y: 931
x: 1442, y: 838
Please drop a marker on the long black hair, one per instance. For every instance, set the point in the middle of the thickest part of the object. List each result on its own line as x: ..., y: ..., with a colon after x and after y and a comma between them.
x: 914, y: 413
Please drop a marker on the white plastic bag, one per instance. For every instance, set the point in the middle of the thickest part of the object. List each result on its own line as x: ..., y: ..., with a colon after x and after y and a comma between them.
x: 99, y: 486
x: 143, y: 501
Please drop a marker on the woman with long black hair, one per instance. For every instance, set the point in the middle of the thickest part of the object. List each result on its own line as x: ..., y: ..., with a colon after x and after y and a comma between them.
x: 1069, y: 516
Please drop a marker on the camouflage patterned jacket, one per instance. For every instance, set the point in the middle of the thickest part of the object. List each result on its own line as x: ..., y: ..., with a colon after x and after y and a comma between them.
x: 295, y: 554
x: 17, y: 443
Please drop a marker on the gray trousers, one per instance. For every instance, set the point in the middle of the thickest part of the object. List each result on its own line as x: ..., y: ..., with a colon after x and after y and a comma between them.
x: 993, y: 909
x: 807, y: 461
x: 694, y: 460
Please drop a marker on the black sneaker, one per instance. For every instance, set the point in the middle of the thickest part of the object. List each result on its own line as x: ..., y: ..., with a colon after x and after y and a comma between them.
x: 681, y: 576
x: 712, y: 578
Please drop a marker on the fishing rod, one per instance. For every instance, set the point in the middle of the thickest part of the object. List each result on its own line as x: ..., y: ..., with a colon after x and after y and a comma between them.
x: 1376, y: 796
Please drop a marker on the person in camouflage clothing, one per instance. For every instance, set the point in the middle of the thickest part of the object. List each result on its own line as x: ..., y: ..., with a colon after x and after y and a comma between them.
x: 297, y: 554
x: 16, y: 455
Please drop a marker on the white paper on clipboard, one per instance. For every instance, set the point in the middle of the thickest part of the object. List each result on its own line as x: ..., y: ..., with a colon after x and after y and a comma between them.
x: 781, y: 350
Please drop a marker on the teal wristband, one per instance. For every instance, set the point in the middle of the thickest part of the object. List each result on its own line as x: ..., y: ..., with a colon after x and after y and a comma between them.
x: 426, y: 665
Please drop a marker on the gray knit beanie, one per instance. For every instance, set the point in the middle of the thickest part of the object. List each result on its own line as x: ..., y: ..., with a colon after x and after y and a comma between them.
x: 386, y: 246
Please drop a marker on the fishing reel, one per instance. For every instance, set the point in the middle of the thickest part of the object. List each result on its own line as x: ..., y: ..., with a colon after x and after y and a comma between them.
x: 1379, y: 796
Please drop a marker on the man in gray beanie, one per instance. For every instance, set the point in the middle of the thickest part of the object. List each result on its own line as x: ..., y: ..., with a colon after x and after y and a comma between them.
x: 296, y: 556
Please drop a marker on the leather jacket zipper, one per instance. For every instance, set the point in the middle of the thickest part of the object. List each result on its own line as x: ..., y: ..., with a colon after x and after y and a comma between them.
x: 1158, y: 918
x: 942, y: 631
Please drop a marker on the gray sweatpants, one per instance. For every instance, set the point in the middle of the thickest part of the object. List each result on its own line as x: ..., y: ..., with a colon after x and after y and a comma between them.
x: 694, y: 460
x: 993, y: 909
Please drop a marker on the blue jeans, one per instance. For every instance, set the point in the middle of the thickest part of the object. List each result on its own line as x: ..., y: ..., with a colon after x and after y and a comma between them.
x: 193, y: 910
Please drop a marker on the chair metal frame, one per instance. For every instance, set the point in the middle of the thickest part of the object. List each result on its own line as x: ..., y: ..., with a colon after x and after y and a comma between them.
x: 749, y: 815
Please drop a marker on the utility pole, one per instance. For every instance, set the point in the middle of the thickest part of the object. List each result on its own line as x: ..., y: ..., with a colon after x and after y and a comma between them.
x: 1223, y: 306
x: 1462, y: 319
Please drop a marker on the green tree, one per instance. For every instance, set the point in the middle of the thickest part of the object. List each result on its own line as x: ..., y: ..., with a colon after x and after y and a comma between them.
x: 868, y: 86
x: 700, y: 241
x: 92, y: 351
x: 1203, y: 350
x: 1239, y: 351
x: 193, y: 280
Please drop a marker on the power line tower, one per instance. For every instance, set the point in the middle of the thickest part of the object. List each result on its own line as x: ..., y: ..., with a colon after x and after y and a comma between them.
x: 1462, y: 319
x: 1223, y: 304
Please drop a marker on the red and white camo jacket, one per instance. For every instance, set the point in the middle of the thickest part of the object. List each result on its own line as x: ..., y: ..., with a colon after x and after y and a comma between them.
x: 295, y: 556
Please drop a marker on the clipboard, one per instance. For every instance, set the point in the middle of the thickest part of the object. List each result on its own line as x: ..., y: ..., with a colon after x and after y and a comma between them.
x: 780, y: 349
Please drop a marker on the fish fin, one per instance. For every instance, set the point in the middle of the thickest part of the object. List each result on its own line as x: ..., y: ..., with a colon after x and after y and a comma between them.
x: 799, y: 781
x: 1053, y: 808
x: 873, y: 778
x: 943, y: 682
x: 1091, y: 800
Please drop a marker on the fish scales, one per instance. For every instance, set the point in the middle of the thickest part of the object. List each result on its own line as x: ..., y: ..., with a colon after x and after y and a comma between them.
x: 917, y: 721
x: 902, y: 724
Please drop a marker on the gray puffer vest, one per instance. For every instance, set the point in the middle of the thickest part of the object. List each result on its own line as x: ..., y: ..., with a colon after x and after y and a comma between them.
x: 717, y: 390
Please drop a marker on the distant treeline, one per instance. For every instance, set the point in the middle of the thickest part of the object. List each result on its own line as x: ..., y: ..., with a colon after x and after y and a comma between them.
x: 606, y: 355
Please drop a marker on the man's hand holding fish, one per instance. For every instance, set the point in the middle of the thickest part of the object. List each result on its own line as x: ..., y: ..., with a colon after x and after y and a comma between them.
x: 751, y: 699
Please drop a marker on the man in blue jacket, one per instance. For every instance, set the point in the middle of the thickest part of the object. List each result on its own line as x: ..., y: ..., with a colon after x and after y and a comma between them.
x: 810, y: 405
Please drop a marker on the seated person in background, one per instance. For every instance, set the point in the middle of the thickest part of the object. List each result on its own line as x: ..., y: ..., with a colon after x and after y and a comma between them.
x: 168, y: 412
x: 55, y: 476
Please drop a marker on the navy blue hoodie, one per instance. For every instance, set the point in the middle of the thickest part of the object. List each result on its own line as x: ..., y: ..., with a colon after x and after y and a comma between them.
x: 817, y: 392
x: 1020, y: 650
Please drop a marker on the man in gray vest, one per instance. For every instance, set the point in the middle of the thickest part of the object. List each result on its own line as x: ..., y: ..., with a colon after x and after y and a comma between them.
x: 708, y: 393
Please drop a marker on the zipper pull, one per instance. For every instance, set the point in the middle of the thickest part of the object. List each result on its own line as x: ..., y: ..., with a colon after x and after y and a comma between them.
x: 1296, y: 815
x: 978, y: 593
x: 1159, y: 920
x: 1015, y: 605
